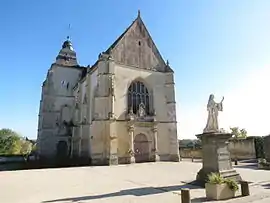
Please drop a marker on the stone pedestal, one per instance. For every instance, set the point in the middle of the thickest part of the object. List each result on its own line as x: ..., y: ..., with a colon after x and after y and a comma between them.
x: 216, y: 157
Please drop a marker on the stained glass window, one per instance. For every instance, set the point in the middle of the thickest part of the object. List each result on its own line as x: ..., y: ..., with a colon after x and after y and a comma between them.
x: 137, y: 94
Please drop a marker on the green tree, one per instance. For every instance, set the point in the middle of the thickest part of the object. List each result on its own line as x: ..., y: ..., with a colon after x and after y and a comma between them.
x: 26, y: 147
x: 238, y: 133
x: 9, y: 142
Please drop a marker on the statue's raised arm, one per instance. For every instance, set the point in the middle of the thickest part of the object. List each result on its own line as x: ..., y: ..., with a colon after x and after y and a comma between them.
x: 212, y: 121
x: 222, y: 100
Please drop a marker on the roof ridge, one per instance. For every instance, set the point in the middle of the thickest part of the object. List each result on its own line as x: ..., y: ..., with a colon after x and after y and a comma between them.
x: 120, y: 37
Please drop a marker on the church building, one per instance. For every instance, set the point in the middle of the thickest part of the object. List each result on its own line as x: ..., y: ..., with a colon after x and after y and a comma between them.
x: 120, y: 110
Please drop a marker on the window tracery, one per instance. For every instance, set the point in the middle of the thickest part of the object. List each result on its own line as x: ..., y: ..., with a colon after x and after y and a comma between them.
x: 138, y: 94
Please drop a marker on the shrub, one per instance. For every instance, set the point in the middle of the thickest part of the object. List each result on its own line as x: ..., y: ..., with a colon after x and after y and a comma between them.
x: 232, y: 184
x: 216, y: 178
x: 259, y: 147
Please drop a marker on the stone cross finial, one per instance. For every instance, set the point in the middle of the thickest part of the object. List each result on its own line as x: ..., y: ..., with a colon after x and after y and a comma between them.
x: 139, y: 13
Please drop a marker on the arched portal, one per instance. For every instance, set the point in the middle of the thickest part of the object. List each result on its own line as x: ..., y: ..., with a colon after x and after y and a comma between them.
x: 62, y: 150
x: 141, y: 148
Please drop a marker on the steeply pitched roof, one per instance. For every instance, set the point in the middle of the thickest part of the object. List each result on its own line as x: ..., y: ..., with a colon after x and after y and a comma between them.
x: 136, y: 47
x: 120, y: 37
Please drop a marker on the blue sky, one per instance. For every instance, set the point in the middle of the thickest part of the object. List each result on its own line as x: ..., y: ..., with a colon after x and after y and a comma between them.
x: 219, y: 47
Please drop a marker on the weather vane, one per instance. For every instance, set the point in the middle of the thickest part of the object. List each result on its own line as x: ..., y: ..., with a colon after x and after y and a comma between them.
x: 69, y: 29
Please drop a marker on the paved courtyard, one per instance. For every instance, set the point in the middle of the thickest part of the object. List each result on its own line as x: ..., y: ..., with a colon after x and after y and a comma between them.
x: 149, y: 182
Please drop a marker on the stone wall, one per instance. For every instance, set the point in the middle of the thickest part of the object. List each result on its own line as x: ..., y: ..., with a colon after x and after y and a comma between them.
x: 240, y: 149
x: 189, y: 153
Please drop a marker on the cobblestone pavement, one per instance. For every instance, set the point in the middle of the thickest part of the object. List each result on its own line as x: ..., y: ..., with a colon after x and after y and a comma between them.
x: 149, y: 182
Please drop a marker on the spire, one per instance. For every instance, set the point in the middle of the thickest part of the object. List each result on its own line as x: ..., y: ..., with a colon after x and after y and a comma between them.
x: 67, y: 55
x: 67, y: 43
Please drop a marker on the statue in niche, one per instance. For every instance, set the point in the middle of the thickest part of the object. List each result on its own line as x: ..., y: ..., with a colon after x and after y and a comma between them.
x: 131, y: 114
x: 141, y: 110
x: 212, y: 121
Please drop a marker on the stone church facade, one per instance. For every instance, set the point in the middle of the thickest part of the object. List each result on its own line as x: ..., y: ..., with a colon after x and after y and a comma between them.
x: 120, y: 110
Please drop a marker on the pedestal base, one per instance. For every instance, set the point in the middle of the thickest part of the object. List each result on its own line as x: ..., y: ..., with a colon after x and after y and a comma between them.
x: 216, y: 157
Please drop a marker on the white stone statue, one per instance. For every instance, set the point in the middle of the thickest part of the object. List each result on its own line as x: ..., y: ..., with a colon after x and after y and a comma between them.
x: 141, y: 110
x: 213, y: 108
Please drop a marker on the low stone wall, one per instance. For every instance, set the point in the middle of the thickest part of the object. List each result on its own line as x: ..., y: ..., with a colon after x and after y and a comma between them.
x: 240, y: 149
x: 189, y: 153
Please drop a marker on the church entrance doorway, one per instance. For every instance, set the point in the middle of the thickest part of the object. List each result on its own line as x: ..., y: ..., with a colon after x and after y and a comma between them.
x: 62, y: 150
x: 141, y: 149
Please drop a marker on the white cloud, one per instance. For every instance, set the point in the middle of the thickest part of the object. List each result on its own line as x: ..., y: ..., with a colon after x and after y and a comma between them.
x: 246, y: 106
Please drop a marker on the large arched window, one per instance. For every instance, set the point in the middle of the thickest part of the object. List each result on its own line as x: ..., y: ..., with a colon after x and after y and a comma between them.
x: 137, y: 94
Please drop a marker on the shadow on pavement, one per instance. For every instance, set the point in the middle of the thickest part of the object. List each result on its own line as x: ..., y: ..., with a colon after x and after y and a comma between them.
x: 253, y: 166
x: 266, y: 186
x: 199, y: 200
x: 135, y: 192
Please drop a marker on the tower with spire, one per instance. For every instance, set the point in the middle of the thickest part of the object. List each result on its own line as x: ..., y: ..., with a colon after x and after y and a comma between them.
x: 120, y: 110
x: 56, y: 104
x: 67, y: 55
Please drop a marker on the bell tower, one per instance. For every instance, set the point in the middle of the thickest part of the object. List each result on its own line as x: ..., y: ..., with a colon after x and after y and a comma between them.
x: 57, y: 100
x: 67, y: 55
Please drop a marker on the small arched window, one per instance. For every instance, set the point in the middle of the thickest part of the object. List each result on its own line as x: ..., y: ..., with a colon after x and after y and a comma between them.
x: 137, y: 94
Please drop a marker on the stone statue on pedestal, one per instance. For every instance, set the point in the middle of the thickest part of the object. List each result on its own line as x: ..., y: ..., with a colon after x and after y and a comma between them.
x: 216, y: 156
x: 213, y: 108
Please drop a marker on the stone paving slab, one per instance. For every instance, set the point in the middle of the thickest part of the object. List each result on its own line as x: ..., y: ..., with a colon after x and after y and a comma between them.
x: 148, y: 182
